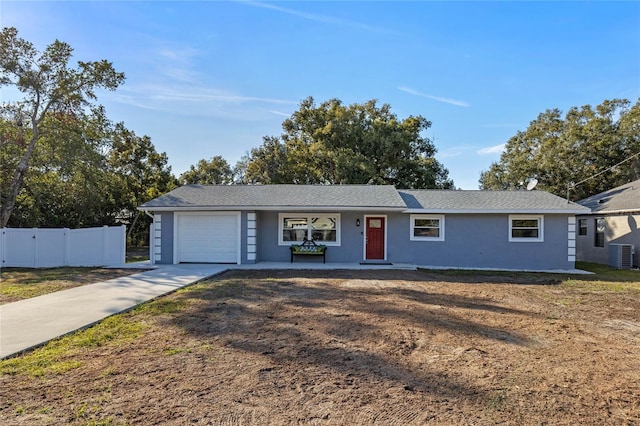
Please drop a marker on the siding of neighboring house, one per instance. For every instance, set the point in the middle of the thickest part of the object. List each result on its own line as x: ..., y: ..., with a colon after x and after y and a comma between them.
x: 619, y: 208
x: 619, y: 229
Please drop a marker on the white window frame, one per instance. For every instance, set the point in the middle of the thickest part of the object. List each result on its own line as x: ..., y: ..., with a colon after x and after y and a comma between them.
x: 308, y: 217
x: 438, y: 217
x: 539, y: 239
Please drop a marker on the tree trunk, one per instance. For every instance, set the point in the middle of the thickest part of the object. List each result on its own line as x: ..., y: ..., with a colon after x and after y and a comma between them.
x: 16, y: 183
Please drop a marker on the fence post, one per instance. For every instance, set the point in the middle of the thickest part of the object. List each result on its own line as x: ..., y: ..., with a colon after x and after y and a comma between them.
x: 123, y: 256
x: 105, y: 244
x: 3, y: 239
x: 66, y: 237
x: 35, y: 248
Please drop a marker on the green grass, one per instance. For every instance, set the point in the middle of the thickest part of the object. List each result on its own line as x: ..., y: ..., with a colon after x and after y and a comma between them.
x: 604, y: 278
x: 134, y: 259
x: 137, y: 254
x: 21, y: 283
x: 606, y: 273
x: 161, y: 307
x: 59, y: 356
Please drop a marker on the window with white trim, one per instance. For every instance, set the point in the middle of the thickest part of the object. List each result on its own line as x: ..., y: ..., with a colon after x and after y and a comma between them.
x: 427, y: 227
x: 526, y: 228
x: 294, y: 228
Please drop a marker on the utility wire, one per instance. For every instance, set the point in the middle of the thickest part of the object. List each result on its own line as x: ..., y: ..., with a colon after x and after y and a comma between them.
x: 572, y: 185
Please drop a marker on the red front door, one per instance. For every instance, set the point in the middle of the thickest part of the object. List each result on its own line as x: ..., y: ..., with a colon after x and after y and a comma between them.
x: 375, y: 238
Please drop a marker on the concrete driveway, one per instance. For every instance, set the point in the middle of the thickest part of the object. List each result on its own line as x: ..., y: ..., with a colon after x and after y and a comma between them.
x: 29, y: 323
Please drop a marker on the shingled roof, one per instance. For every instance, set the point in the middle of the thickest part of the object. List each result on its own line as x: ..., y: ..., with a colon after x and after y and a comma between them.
x: 279, y: 196
x: 622, y: 199
x: 440, y: 201
x: 358, y: 197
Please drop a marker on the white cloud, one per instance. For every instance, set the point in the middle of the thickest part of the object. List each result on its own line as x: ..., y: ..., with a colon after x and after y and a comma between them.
x: 176, y: 63
x: 435, y: 98
x: 318, y: 18
x: 284, y: 114
x: 197, y: 100
x: 496, y: 149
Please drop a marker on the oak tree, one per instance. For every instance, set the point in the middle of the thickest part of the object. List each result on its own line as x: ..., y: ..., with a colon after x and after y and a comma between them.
x: 333, y: 143
x: 213, y: 172
x: 48, y: 85
x: 580, y: 147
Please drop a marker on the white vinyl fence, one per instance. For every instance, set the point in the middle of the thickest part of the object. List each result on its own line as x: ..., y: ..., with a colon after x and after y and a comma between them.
x: 47, y: 248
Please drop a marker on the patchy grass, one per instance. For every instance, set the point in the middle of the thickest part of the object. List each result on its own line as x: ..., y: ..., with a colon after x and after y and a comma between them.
x: 604, y: 279
x: 346, y: 347
x: 60, y: 355
x: 137, y: 254
x: 607, y: 273
x: 25, y: 283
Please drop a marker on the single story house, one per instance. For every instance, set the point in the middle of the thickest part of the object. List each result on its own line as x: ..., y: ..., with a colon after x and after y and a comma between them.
x: 241, y: 224
x: 614, y: 219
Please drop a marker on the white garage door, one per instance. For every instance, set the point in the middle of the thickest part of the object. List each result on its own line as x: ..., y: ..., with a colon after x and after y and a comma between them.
x: 208, y: 238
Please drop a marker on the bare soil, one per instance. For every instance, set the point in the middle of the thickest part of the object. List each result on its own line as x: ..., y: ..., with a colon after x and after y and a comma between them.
x: 358, y: 348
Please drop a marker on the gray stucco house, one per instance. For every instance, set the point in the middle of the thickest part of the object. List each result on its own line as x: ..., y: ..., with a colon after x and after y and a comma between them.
x: 614, y: 219
x: 241, y: 224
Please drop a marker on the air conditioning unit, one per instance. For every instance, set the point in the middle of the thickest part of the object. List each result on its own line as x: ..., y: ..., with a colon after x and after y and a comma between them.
x: 621, y: 256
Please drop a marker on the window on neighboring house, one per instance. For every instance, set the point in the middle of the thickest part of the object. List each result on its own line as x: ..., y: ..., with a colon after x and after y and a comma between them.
x: 322, y: 228
x: 527, y: 228
x: 600, y: 228
x: 427, y: 227
x: 582, y: 226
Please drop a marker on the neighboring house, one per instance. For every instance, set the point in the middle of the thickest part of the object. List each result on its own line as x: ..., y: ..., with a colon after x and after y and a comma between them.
x: 242, y: 224
x: 614, y: 219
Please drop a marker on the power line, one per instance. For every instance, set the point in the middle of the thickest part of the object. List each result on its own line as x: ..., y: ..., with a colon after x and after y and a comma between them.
x: 572, y: 185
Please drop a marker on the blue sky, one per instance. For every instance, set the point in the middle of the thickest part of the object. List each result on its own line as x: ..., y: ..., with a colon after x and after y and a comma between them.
x: 209, y: 78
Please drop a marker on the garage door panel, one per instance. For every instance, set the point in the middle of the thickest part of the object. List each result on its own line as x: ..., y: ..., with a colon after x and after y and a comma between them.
x: 208, y: 238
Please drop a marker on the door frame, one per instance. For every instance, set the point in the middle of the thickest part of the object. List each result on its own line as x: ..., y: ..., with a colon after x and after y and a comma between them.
x: 364, y: 237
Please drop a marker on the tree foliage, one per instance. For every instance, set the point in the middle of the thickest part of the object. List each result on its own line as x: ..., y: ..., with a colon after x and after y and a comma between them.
x: 52, y: 91
x: 139, y: 173
x: 356, y: 144
x: 88, y: 172
x: 562, y: 151
x: 213, y: 172
x: 63, y: 163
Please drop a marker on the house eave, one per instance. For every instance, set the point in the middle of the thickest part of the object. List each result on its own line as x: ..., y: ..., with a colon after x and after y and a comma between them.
x: 496, y: 211
x: 611, y: 212
x: 271, y: 208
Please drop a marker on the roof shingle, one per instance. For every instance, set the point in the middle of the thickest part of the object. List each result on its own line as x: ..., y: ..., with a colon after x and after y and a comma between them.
x: 383, y: 197
x: 302, y: 196
x: 487, y: 201
x: 623, y: 198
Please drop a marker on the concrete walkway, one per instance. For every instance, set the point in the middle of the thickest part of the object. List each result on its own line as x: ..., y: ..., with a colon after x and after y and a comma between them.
x: 31, y: 322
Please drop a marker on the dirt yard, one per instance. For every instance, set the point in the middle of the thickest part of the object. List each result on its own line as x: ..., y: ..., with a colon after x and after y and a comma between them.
x: 357, y: 348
